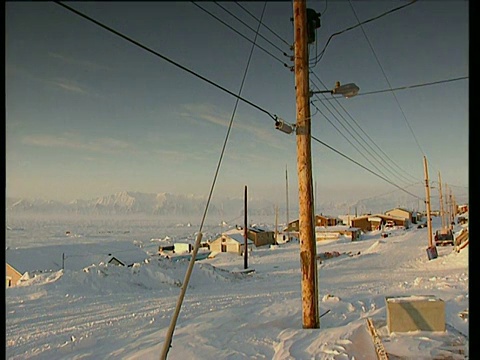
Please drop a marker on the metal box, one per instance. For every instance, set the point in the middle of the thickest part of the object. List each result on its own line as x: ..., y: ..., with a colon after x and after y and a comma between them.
x: 415, y: 313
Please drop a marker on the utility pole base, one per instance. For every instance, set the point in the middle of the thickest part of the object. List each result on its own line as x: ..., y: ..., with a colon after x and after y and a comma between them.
x: 432, y: 252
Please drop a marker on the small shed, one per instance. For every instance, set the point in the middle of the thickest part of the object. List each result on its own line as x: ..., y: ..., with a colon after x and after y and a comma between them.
x: 231, y: 242
x: 183, y: 248
x: 261, y: 236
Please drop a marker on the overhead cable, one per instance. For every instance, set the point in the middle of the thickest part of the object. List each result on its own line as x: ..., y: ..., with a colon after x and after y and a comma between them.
x: 265, y: 26
x: 168, y: 340
x: 248, y: 26
x: 239, y: 33
x: 413, y: 86
x: 348, y: 140
x: 274, y: 117
x: 398, y: 174
x: 365, y: 168
x: 386, y: 79
x: 319, y: 57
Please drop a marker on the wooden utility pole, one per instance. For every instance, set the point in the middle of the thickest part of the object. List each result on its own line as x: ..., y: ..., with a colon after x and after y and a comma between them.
x: 427, y: 202
x: 276, y: 225
x: 442, y: 211
x: 245, y: 234
x: 168, y: 338
x: 447, y: 204
x: 286, y: 190
x: 451, y: 218
x: 308, y: 261
x: 454, y: 207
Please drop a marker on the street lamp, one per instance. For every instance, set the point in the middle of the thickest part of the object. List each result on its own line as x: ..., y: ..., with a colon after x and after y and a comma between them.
x: 347, y: 90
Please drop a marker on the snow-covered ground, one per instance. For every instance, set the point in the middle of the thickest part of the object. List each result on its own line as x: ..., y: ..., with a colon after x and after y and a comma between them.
x: 115, y: 312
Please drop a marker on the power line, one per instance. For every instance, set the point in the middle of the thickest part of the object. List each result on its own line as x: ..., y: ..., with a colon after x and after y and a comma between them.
x: 265, y: 26
x: 274, y: 117
x: 248, y: 26
x: 390, y: 192
x: 385, y: 76
x: 400, y: 174
x: 355, y: 162
x: 326, y: 5
x: 404, y: 87
x: 168, y: 340
x: 364, y: 167
x: 239, y: 33
x: 346, y: 138
x: 319, y: 57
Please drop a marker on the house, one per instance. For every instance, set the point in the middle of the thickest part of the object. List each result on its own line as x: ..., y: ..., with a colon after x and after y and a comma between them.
x: 334, y: 232
x: 114, y: 261
x: 231, y: 241
x: 22, y: 264
x: 320, y: 220
x: 402, y: 213
x: 375, y: 222
x: 324, y: 220
x: 16, y: 273
x: 345, y: 219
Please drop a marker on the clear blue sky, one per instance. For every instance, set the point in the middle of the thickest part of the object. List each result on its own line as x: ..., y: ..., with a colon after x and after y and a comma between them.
x: 90, y: 114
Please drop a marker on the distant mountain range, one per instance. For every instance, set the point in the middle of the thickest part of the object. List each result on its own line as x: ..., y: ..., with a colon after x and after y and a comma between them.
x: 131, y: 202
x: 165, y: 204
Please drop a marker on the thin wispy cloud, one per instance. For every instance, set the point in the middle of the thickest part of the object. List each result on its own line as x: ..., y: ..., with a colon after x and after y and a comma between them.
x: 82, y: 63
x: 72, y: 141
x: 69, y: 85
x: 207, y: 112
x: 63, y: 83
x: 214, y: 115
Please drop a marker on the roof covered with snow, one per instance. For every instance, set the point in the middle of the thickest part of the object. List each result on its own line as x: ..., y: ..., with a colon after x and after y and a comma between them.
x: 72, y: 256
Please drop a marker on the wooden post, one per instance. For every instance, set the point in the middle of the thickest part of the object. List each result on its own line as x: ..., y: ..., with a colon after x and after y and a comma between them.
x: 168, y: 338
x: 447, y: 204
x: 427, y: 202
x: 276, y: 225
x: 452, y: 215
x: 442, y: 210
x: 447, y: 215
x: 308, y: 261
x: 245, y: 234
x: 377, y: 341
x: 454, y: 206
x: 286, y: 190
